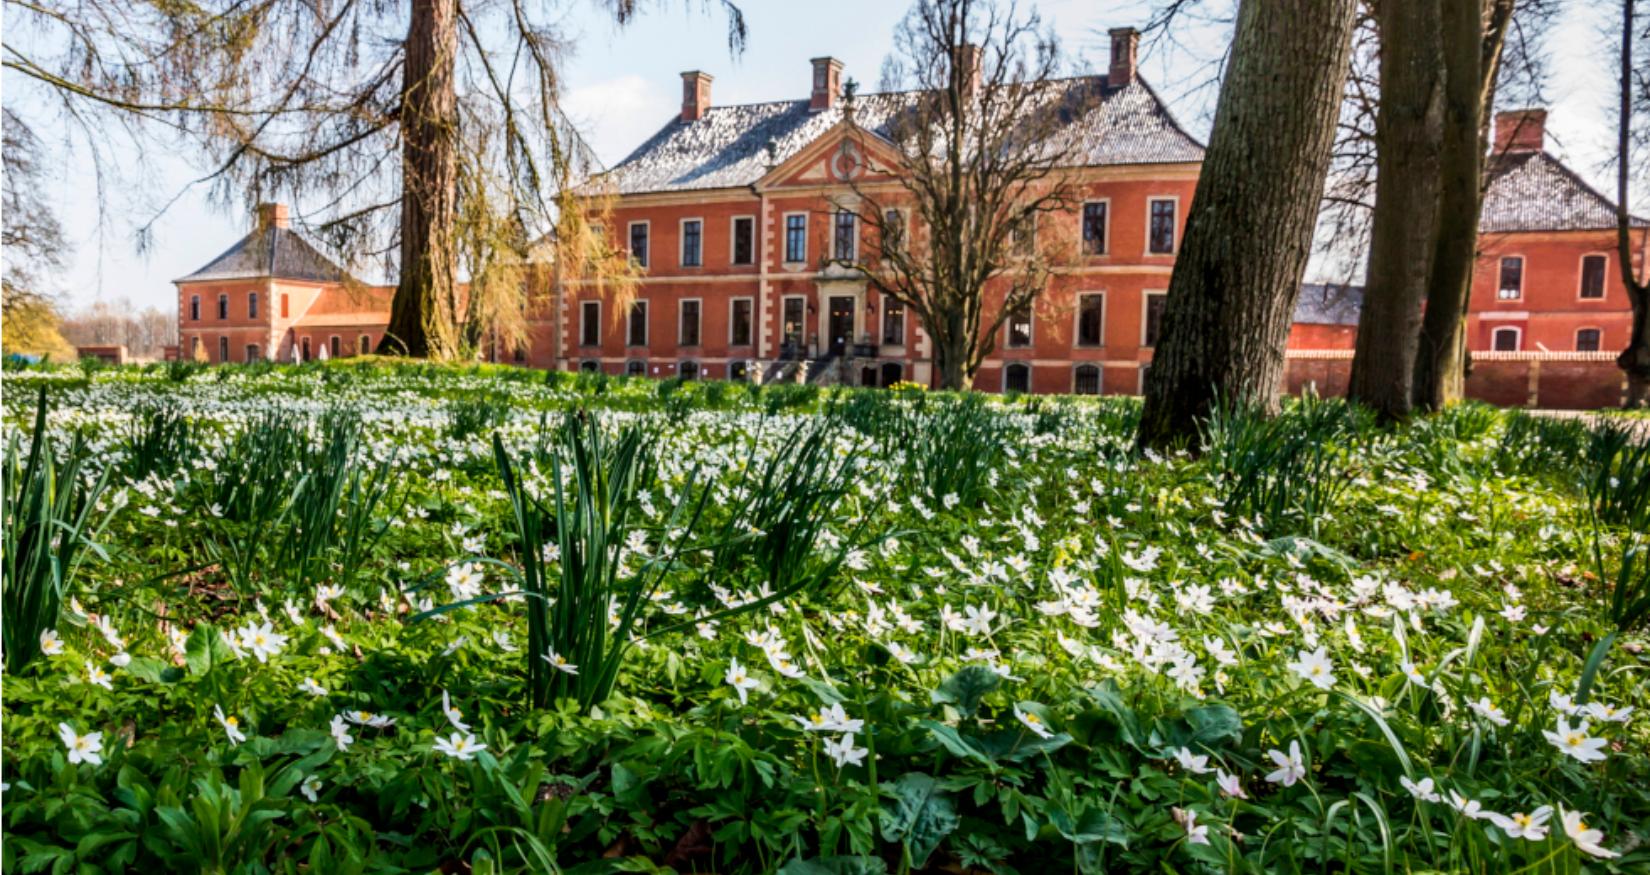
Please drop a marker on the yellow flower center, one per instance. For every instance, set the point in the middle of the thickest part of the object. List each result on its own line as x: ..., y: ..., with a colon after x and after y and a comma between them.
x: 232, y: 721
x: 1574, y: 739
x: 1032, y: 718
x: 1523, y: 819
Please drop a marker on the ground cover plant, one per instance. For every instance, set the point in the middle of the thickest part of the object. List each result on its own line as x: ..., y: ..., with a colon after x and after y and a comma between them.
x: 380, y: 617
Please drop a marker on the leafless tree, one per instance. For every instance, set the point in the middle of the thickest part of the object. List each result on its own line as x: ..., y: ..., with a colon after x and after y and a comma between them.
x: 144, y: 333
x: 1632, y: 148
x: 982, y: 146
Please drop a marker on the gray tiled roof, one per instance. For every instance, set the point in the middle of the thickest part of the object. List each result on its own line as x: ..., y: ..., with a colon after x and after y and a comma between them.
x: 731, y: 146
x: 270, y: 252
x: 1329, y: 304
x: 1533, y: 191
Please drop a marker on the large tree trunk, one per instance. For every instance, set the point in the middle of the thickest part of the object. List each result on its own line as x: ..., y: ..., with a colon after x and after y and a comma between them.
x: 1635, y: 359
x: 1440, y: 364
x: 1407, y: 131
x: 423, y: 313
x: 1249, y: 231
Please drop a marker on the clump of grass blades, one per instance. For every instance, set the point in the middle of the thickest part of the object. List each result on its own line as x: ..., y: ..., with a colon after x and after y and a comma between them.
x: 468, y: 417
x: 951, y: 444
x: 1288, y: 470
x: 160, y: 440
x: 1542, y: 446
x: 1618, y: 476
x: 50, y: 504
x: 258, y: 472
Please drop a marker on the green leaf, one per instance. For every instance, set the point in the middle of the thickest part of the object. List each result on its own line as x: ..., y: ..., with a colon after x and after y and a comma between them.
x: 953, y: 741
x: 1215, y: 724
x: 204, y: 649
x: 1092, y: 826
x: 920, y: 817
x: 1017, y: 744
x: 966, y: 688
x: 153, y: 670
x: 835, y: 866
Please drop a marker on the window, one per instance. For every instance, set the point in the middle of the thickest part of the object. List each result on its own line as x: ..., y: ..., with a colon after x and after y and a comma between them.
x: 251, y: 352
x: 1505, y: 340
x: 194, y: 308
x: 304, y: 345
x: 688, y: 370
x: 1587, y: 340
x: 1094, y: 228
x: 332, y: 345
x: 793, y: 322
x: 1017, y: 377
x: 892, y: 372
x: 893, y: 230
x: 692, y: 243
x: 1592, y: 276
x: 739, y: 325
x: 251, y: 305
x: 590, y: 366
x: 688, y: 333
x: 843, y: 248
x: 519, y: 355
x: 893, y: 322
x: 739, y: 371
x: 1086, y: 380
x: 635, y: 368
x: 590, y: 323
x: 223, y: 350
x: 1511, y: 286
x: 223, y: 307
x: 796, y: 238
x: 1019, y: 328
x: 638, y: 243
x: 286, y: 306
x: 362, y: 344
x: 1160, y: 237
x: 1153, y: 327
x: 1091, y: 315
x: 744, y: 240
x: 637, y: 334
x: 1022, y: 235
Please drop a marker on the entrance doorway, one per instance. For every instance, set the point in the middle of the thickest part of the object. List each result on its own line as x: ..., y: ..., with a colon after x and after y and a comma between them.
x: 839, y: 326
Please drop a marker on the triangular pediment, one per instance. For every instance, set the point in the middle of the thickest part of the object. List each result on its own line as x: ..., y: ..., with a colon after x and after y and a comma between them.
x: 843, y: 155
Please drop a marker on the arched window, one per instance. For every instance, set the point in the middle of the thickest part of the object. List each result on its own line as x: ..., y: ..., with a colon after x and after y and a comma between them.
x: 1017, y: 377
x: 1085, y: 380
x: 688, y: 370
x: 635, y: 368
x: 1506, y: 339
x: 333, y: 346
x: 1588, y: 340
x: 590, y: 366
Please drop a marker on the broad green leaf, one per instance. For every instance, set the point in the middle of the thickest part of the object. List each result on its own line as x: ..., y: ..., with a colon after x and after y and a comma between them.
x: 966, y: 688
x: 920, y: 816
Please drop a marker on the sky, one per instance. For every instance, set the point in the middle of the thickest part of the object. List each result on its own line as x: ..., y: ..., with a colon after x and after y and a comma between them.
x: 622, y: 85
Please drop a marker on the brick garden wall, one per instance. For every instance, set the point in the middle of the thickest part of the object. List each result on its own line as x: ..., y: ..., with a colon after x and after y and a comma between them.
x: 1553, y: 380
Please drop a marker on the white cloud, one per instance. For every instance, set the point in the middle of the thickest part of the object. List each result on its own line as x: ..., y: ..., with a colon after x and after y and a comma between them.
x: 617, y: 115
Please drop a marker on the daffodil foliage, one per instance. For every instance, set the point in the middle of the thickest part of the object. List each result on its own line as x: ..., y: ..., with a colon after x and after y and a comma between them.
x: 369, y: 617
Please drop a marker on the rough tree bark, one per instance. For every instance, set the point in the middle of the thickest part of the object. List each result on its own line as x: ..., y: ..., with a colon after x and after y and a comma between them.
x: 1408, y: 126
x: 423, y: 312
x: 1635, y: 359
x: 1249, y: 231
x: 1439, y: 373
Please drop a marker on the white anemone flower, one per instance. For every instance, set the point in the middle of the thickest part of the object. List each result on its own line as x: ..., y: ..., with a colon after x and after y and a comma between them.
x: 842, y: 751
x: 559, y: 662
x: 231, y: 725
x: 454, y: 716
x: 741, y: 682
x: 50, y: 644
x: 459, y: 746
x: 1575, y: 742
x: 340, y: 733
x: 1315, y: 668
x: 86, y: 748
x: 1197, y: 764
x: 1586, y: 838
x: 1291, y: 767
x: 1425, y: 791
x: 1032, y: 722
x: 1530, y: 827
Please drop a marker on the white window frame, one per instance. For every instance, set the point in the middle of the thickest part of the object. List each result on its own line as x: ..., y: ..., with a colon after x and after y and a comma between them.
x: 629, y: 232
x: 904, y: 223
x: 1105, y: 236
x: 1077, y: 319
x: 698, y: 369
x: 1031, y: 329
x: 853, y: 239
x: 887, y: 304
x: 1009, y: 365
x: 1174, y: 232
x: 1145, y: 312
x: 681, y: 241
x: 583, y: 305
x: 251, y: 305
x: 251, y: 353
x: 802, y: 336
x: 642, y: 372
x: 681, y: 306
x: 785, y: 237
x: 647, y: 326
x: 1523, y: 264
x: 1593, y: 328
x: 732, y: 303
x: 1581, y: 276
x: 1099, y: 376
x: 733, y: 240
x: 1518, y: 335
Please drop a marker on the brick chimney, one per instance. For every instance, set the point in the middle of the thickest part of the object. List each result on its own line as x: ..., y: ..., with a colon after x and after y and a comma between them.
x: 695, y: 95
x: 968, y: 62
x: 272, y: 215
x: 827, y: 84
x: 1125, y: 53
x: 1520, y: 130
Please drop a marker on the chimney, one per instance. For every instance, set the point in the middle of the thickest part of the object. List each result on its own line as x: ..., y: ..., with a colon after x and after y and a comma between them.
x: 1520, y: 130
x: 272, y: 215
x: 1125, y: 51
x: 695, y: 95
x: 967, y: 59
x: 827, y: 84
